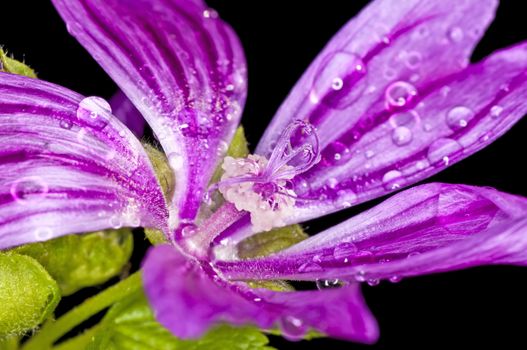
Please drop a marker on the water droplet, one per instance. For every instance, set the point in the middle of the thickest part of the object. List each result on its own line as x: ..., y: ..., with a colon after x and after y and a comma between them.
x: 373, y: 281
x: 122, y: 133
x: 257, y: 300
x: 441, y: 151
x: 65, y: 124
x: 399, y: 94
x: 336, y: 153
x: 393, y: 180
x: 317, y: 258
x: 395, y: 279
x: 310, y: 267
x: 458, y: 117
x: 43, y: 233
x: 210, y: 13
x: 292, y: 328
x: 28, y: 189
x: 456, y: 34
x: 222, y: 148
x: 344, y: 251
x: 189, y: 230
x: 339, y: 81
x: 94, y: 111
x: 116, y: 222
x: 175, y: 160
x: 369, y: 154
x: 402, y: 136
x: 495, y: 111
x: 412, y: 254
x: 332, y: 182
x: 406, y: 118
x: 328, y: 284
x: 360, y: 276
x: 413, y: 59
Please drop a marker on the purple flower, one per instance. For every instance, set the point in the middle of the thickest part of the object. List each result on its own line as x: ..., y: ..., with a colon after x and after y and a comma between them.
x: 390, y: 101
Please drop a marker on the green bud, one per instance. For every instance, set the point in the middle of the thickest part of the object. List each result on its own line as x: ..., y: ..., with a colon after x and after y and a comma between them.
x: 266, y: 243
x: 78, y: 261
x: 10, y: 65
x: 28, y: 294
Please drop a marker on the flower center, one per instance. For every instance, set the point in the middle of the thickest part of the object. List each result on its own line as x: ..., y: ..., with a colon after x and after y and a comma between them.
x: 262, y: 186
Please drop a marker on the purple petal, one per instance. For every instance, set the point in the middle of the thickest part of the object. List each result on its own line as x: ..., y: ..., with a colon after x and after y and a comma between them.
x: 188, y: 299
x: 181, y: 66
x: 394, y: 103
x: 430, y: 228
x: 124, y: 109
x: 68, y: 166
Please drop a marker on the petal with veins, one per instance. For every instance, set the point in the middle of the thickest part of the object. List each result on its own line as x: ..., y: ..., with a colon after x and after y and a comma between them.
x: 68, y: 166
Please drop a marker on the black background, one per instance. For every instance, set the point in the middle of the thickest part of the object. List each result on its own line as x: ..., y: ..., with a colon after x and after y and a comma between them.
x: 476, y: 307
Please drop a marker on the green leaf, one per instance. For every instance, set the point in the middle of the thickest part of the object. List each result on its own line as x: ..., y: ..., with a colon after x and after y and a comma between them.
x: 10, y: 65
x: 78, y: 261
x: 27, y: 292
x: 266, y: 243
x: 130, y: 324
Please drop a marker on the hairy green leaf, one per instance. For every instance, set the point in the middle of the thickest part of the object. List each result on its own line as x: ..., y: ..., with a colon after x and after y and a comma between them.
x: 10, y: 65
x: 130, y: 324
x: 78, y: 261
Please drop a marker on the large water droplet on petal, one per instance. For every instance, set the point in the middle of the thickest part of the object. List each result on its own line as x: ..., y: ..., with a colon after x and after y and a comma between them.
x: 393, y: 180
x: 95, y: 112
x: 293, y: 328
x: 29, y: 189
x: 340, y: 80
x: 344, y: 251
x: 458, y: 117
x: 399, y: 94
x: 336, y: 153
x: 441, y: 151
x: 328, y: 284
x: 402, y: 136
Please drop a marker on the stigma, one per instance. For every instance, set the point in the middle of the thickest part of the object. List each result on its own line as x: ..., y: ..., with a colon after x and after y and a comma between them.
x: 264, y: 187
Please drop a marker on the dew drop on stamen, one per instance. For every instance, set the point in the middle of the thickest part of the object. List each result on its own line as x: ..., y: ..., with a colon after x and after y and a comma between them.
x: 402, y: 136
x: 399, y: 94
x: 94, y: 111
x: 458, y: 117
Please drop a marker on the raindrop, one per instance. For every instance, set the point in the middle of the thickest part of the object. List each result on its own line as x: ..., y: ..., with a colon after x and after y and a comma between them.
x: 412, y: 254
x: 65, y: 124
x: 456, y: 34
x: 495, y: 111
x: 369, y: 154
x: 393, y: 180
x: 210, y: 13
x: 328, y: 284
x: 116, y: 222
x: 94, y: 111
x: 395, y: 279
x: 399, y: 94
x: 222, y: 148
x: 189, y: 230
x: 402, y: 136
x: 344, y: 251
x: 292, y: 328
x: 458, y: 117
x: 360, y: 276
x: 373, y: 281
x: 29, y: 188
x: 404, y: 118
x: 336, y: 153
x: 441, y: 151
x: 413, y: 59
x: 310, y: 267
x: 43, y: 233
x: 339, y: 80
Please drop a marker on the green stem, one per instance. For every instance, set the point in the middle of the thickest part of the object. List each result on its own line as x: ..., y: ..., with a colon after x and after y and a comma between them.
x: 54, y: 330
x: 78, y: 342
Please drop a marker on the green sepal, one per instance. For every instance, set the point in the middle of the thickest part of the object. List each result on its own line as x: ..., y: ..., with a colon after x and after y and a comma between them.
x: 130, y: 324
x: 266, y: 243
x: 78, y: 261
x: 27, y: 292
x: 10, y: 65
x: 237, y: 149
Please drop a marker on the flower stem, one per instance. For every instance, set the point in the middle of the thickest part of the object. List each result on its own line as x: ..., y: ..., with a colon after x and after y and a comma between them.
x: 54, y: 330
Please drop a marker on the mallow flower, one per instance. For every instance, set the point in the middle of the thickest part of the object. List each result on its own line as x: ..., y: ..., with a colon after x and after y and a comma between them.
x: 391, y: 100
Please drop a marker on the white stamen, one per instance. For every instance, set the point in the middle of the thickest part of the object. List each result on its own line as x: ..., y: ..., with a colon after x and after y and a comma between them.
x: 268, y: 201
